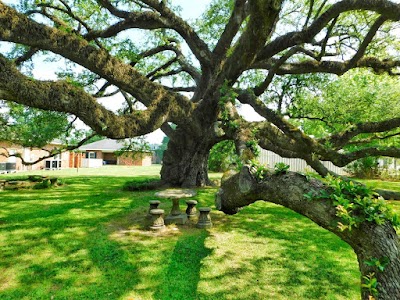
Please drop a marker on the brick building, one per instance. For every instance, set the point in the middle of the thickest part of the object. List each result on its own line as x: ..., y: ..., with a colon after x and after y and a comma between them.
x: 9, y: 162
x: 103, y: 152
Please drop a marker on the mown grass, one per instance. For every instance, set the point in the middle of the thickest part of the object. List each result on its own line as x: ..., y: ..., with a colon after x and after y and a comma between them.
x: 88, y: 239
x: 108, y: 170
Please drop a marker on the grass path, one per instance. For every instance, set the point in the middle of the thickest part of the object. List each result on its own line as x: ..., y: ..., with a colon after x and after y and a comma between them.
x: 87, y: 240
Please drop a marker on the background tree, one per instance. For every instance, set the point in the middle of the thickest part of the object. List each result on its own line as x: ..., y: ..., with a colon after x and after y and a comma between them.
x: 31, y: 127
x: 159, y: 151
x: 334, y: 104
x: 36, y: 128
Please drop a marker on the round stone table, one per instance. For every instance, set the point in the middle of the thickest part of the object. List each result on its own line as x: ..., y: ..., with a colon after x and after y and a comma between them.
x: 176, y: 216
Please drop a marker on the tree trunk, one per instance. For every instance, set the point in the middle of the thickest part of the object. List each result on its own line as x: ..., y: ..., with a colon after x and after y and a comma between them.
x: 185, y: 162
x: 370, y: 241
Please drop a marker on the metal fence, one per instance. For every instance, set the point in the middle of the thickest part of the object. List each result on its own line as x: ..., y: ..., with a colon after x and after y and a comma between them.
x: 296, y: 165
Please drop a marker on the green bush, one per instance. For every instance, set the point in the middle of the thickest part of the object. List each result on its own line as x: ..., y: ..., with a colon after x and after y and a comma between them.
x: 45, y: 184
x: 367, y: 167
x: 141, y: 184
x: 222, y: 157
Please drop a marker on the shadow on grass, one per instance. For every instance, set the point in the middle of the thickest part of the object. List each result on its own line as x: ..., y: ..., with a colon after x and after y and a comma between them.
x: 85, y: 240
x: 183, y: 272
x: 312, y: 262
x: 54, y: 244
x: 118, y: 274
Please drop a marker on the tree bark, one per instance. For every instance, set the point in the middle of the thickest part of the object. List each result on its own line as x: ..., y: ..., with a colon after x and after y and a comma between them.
x: 388, y: 194
x: 185, y: 162
x: 369, y: 240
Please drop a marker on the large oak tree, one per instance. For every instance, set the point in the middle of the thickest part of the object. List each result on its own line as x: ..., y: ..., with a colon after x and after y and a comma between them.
x: 137, y: 48
x: 194, y: 75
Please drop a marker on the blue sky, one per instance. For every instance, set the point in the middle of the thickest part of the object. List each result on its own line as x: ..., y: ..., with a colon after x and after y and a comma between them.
x: 192, y: 8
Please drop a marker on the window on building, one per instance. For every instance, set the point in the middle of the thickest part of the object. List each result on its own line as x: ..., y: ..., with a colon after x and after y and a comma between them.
x: 12, y: 158
x: 91, y: 155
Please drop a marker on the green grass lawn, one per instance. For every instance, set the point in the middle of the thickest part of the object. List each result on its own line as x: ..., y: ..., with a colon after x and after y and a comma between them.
x: 87, y: 239
x: 108, y: 170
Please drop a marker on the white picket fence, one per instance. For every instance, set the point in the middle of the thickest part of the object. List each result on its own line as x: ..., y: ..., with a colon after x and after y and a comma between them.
x: 296, y: 165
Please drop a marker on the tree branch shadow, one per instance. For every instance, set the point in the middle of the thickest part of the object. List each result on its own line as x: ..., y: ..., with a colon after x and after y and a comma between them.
x: 182, y: 275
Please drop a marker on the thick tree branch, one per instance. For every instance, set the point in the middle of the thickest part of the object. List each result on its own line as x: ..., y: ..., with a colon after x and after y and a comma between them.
x: 343, y: 159
x: 156, y: 50
x: 187, y: 89
x: 369, y: 239
x: 64, y: 97
x: 26, y: 56
x: 167, y: 129
x: 389, y: 10
x: 113, y: 10
x: 260, y: 89
x: 290, y: 130
x: 325, y: 40
x: 331, y: 66
x: 309, y: 14
x: 145, y: 20
x: 15, y: 27
x: 263, y: 16
x: 101, y: 91
x: 342, y: 138
x: 197, y: 45
x: 367, y: 40
x: 231, y: 29
x: 373, y: 138
x: 165, y: 66
x: 180, y: 58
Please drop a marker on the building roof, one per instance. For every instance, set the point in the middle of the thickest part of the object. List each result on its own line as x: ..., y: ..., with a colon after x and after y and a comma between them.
x: 104, y: 145
x: 57, y: 142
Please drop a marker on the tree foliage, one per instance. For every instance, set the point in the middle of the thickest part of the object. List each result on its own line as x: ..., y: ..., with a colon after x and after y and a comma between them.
x: 32, y: 127
x: 223, y: 157
x: 358, y: 96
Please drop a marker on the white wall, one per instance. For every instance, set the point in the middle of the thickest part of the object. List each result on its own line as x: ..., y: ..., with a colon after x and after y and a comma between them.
x: 296, y: 165
x: 92, y: 162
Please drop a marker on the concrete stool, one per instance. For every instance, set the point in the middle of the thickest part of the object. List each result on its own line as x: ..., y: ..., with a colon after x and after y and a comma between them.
x: 157, y: 219
x: 153, y: 205
x: 191, y: 208
x: 204, y: 218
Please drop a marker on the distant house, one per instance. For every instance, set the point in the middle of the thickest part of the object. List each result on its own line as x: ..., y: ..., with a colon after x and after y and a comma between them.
x: 103, y: 152
x: 10, y: 163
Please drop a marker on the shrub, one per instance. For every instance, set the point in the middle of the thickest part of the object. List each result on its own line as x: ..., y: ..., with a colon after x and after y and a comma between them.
x: 42, y: 185
x: 222, y: 157
x: 367, y: 167
x: 141, y: 185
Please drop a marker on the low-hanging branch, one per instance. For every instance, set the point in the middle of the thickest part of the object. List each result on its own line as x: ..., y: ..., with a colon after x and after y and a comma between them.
x: 19, y: 88
x: 13, y: 29
x: 342, y: 138
x: 371, y: 234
